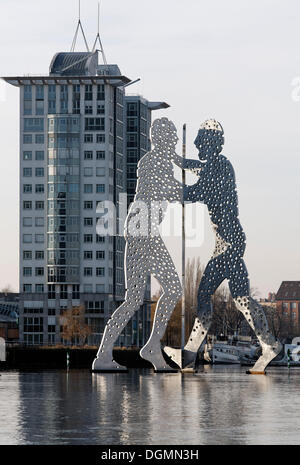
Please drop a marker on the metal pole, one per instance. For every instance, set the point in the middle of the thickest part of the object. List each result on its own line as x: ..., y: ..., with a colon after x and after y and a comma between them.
x: 183, y: 242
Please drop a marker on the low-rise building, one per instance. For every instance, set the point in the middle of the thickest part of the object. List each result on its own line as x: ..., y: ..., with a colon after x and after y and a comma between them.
x: 288, y: 304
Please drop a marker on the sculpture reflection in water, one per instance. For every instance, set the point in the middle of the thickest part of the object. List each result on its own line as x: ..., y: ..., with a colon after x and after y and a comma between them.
x: 145, y: 251
x: 216, y: 188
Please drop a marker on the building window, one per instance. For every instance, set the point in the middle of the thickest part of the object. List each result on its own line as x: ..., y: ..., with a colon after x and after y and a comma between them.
x: 88, y: 171
x: 88, y: 188
x: 33, y: 324
x: 94, y: 307
x: 88, y: 271
x: 27, y: 92
x: 27, y: 221
x: 27, y: 188
x: 100, y: 155
x: 39, y: 155
x: 88, y: 92
x: 27, y: 288
x: 39, y: 172
x: 27, y: 238
x: 34, y: 124
x: 75, y: 291
x: 100, y: 188
x: 27, y: 172
x: 88, y: 205
x: 27, y: 155
x: 100, y: 239
x: 88, y: 255
x: 100, y: 254
x: 100, y: 92
x: 39, y: 271
x: 88, y: 221
x: 27, y: 139
x: 132, y: 140
x: 39, y: 255
x: 39, y: 188
x: 39, y: 107
x: 89, y: 138
x: 39, y: 138
x: 100, y: 109
x: 100, y: 288
x: 293, y: 305
x: 88, y: 288
x: 63, y: 291
x: 88, y: 109
x: 39, y: 205
x: 27, y: 107
x: 27, y: 271
x: 100, y: 171
x: 94, y: 124
x: 88, y: 238
x: 100, y: 138
x: 88, y: 154
x: 27, y: 205
x: 39, y: 221
x: 39, y: 238
x: 100, y: 271
x: 27, y: 255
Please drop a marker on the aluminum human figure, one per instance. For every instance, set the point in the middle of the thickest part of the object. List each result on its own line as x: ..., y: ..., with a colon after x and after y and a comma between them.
x: 216, y: 188
x: 145, y: 251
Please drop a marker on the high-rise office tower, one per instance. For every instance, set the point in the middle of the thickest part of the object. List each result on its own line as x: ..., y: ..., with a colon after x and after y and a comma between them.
x: 80, y: 141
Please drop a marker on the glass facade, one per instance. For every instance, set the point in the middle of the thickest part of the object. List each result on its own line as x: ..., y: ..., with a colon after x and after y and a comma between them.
x: 63, y: 199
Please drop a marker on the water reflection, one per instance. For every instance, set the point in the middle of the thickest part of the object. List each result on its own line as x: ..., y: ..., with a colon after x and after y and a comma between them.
x: 220, y: 405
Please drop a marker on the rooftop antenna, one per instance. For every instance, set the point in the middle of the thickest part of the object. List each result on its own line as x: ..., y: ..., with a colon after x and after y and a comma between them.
x: 79, y: 26
x: 98, y: 39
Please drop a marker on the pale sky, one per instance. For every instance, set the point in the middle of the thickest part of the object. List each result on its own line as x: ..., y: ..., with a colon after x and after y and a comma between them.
x: 231, y: 60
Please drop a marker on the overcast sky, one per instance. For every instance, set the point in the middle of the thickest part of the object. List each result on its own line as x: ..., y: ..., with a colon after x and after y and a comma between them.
x: 231, y: 60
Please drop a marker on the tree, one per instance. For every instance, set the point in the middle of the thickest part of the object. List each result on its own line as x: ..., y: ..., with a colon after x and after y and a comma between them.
x: 74, y: 328
x: 7, y: 289
x: 226, y: 319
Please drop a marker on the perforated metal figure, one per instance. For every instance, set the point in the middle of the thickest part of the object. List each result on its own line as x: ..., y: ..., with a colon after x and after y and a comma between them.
x: 145, y: 251
x: 216, y: 188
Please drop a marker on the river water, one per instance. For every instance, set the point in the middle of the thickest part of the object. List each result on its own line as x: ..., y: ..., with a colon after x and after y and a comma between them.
x: 219, y: 405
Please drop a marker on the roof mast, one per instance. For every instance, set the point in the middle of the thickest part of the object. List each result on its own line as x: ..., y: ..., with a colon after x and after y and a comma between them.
x: 79, y: 26
x: 98, y: 39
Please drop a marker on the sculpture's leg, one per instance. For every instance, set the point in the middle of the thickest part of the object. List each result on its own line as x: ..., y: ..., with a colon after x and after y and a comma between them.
x: 136, y: 279
x: 256, y: 318
x: 254, y: 314
x: 165, y: 272
x: 212, y: 277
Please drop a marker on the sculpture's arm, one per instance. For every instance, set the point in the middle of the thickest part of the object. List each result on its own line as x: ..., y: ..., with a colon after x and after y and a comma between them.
x: 187, y: 164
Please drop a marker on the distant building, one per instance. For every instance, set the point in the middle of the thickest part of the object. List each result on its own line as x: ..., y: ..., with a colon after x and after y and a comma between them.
x: 9, y: 316
x: 288, y: 304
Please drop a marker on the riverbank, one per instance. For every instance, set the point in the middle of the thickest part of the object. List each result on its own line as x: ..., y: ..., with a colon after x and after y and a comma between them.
x: 56, y: 357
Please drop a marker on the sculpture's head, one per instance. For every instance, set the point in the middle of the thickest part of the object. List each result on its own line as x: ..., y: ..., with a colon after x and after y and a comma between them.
x: 210, y: 139
x: 164, y: 135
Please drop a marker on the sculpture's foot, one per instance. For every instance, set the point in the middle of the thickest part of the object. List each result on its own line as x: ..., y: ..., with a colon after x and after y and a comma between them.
x: 105, y: 364
x: 269, y: 353
x: 174, y: 354
x: 154, y: 356
x: 183, y: 359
